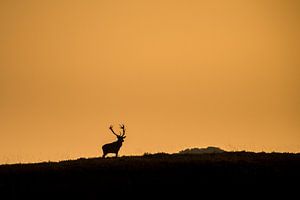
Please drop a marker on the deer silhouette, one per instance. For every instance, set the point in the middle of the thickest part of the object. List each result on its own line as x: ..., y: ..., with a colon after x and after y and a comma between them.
x: 114, y: 147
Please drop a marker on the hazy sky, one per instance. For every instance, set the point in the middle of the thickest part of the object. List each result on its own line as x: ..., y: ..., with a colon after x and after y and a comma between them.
x: 179, y: 74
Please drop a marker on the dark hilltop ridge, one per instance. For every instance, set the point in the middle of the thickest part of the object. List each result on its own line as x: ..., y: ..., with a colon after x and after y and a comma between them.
x: 225, y: 174
x: 202, y: 150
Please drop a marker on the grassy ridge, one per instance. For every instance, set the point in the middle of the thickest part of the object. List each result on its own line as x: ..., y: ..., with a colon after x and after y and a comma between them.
x: 95, y: 177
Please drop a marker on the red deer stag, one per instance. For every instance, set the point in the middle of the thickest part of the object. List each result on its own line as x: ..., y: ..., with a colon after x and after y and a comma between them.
x: 114, y: 147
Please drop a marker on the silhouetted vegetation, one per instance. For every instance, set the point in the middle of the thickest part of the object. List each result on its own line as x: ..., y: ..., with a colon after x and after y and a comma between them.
x: 202, y: 150
x: 225, y: 174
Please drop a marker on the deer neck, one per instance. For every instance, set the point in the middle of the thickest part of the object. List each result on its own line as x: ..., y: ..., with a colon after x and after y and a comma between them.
x: 119, y: 142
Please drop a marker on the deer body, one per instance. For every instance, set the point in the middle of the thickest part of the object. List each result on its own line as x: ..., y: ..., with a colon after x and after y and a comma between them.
x: 114, y: 147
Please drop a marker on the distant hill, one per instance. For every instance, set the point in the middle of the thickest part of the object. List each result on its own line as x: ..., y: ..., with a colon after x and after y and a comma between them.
x: 202, y: 150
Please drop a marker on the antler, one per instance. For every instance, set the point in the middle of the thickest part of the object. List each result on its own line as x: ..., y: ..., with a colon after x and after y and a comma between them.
x: 122, y: 126
x: 111, y: 128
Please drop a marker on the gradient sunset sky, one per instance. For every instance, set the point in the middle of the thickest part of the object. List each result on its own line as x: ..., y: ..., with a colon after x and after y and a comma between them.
x: 178, y: 74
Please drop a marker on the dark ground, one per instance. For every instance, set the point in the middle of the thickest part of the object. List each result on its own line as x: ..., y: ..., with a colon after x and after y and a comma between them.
x: 228, y: 174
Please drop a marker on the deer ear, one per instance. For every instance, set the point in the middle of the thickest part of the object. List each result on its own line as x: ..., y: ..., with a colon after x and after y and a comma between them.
x: 124, y: 136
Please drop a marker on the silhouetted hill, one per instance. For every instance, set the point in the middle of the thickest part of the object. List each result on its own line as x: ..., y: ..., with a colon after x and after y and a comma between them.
x: 225, y: 174
x: 202, y: 150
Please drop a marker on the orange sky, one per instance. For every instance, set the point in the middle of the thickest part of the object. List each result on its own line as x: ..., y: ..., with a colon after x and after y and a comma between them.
x: 179, y: 74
